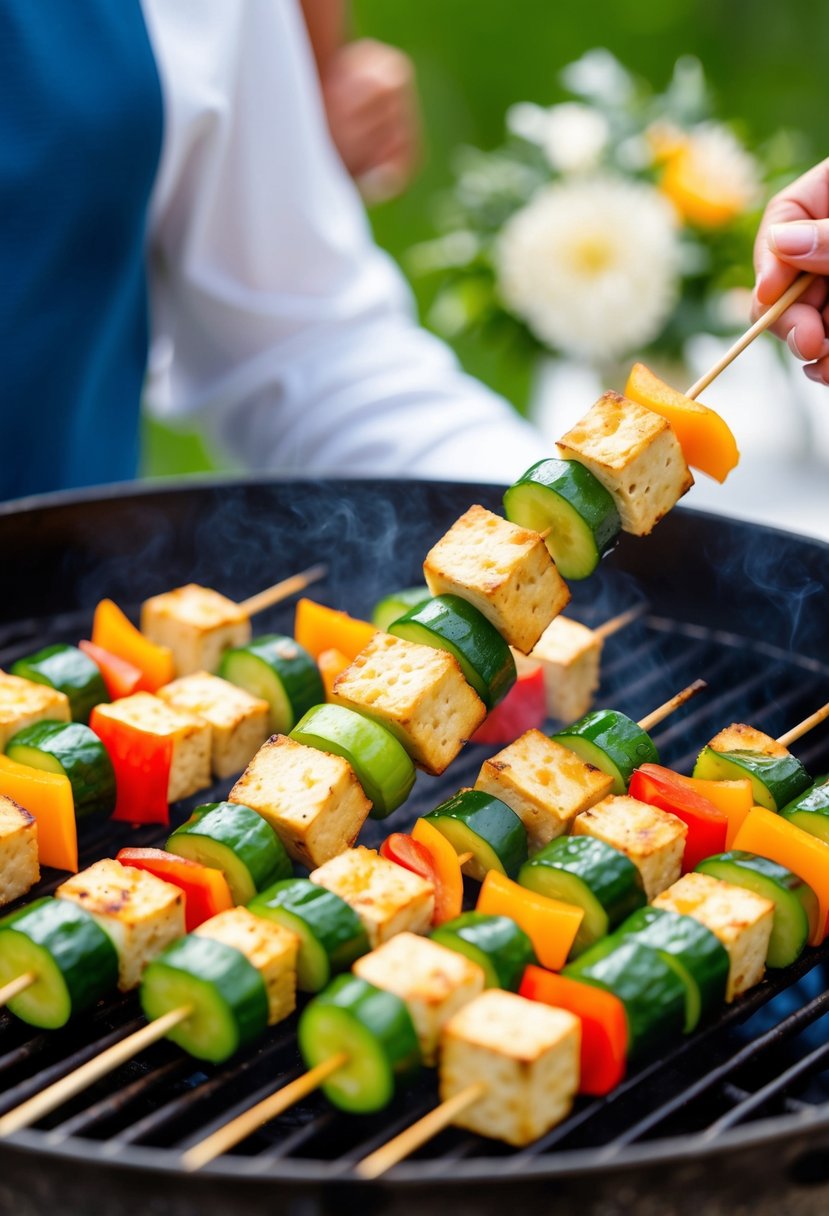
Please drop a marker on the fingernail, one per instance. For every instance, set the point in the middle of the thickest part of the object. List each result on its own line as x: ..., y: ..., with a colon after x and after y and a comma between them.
x: 797, y: 239
x: 814, y: 373
x: 791, y: 342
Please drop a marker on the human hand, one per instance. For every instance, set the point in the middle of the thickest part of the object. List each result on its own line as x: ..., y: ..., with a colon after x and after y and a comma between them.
x: 371, y: 102
x: 794, y: 236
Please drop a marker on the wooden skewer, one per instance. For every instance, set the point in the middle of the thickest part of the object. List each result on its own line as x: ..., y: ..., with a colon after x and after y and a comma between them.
x: 664, y: 711
x: 803, y: 728
x: 81, y: 1078
x: 14, y: 987
x: 250, y: 1120
x: 543, y: 535
x: 419, y: 1133
x: 619, y: 622
x: 798, y: 287
x: 280, y: 591
x: 463, y: 858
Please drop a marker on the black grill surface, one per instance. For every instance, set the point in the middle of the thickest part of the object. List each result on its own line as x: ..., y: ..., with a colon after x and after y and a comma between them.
x: 733, y: 1118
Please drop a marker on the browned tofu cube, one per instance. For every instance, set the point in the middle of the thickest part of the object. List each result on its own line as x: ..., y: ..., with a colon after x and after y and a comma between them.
x: 268, y: 947
x: 569, y: 654
x: 653, y: 839
x: 23, y: 702
x: 238, y: 722
x: 197, y: 624
x: 387, y: 898
x: 19, y: 866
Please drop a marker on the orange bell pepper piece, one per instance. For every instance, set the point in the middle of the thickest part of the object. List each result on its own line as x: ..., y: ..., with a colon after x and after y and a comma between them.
x: 550, y: 924
x: 115, y: 632
x: 47, y: 796
x: 318, y: 628
x: 705, y: 438
x: 767, y: 835
x: 142, y: 769
x: 331, y: 664
x: 734, y: 798
x: 449, y: 880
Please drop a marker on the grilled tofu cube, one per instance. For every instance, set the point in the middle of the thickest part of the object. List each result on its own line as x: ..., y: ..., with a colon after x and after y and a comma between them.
x: 239, y: 723
x: 527, y: 1055
x: 741, y: 738
x: 505, y: 571
x: 636, y: 456
x: 141, y: 913
x: 739, y: 918
x: 19, y: 867
x: 387, y: 898
x: 653, y: 839
x: 569, y: 654
x: 23, y: 702
x: 190, y: 763
x: 418, y: 693
x: 546, y: 785
x: 269, y: 947
x: 311, y: 799
x: 433, y: 981
x: 197, y: 624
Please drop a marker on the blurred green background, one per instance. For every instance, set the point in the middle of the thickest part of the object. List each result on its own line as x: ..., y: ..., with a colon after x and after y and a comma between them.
x: 766, y: 61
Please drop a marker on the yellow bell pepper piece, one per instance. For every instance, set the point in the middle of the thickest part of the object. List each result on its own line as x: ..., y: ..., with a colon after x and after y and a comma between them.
x: 767, y: 835
x: 318, y: 628
x: 48, y: 797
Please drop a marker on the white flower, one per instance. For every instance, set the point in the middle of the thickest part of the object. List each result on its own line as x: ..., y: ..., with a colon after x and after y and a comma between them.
x: 528, y: 121
x: 575, y: 138
x: 591, y: 266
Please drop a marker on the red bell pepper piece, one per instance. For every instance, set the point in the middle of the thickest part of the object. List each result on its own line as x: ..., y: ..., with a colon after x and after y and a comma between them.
x: 206, y: 892
x: 522, y: 709
x: 604, y: 1030
x: 142, y: 770
x: 439, y: 865
x: 670, y: 791
x: 121, y: 678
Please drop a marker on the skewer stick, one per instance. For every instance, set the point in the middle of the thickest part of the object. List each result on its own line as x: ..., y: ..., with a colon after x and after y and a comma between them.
x: 250, y: 1120
x: 665, y: 711
x: 619, y: 622
x: 798, y: 287
x: 543, y: 535
x: 419, y: 1133
x: 81, y: 1078
x: 14, y: 987
x: 281, y: 591
x: 803, y: 728
x: 463, y: 858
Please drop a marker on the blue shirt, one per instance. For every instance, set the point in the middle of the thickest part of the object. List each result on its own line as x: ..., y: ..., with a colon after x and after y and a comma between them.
x: 80, y: 140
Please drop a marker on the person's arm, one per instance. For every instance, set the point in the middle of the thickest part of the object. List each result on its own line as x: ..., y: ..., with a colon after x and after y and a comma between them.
x: 293, y: 334
x: 793, y: 237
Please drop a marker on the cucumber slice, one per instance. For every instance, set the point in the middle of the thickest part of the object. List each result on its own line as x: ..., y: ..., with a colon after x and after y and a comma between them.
x: 393, y: 606
x: 330, y: 933
x: 649, y: 988
x: 698, y: 957
x: 475, y: 822
x: 810, y: 811
x: 278, y: 670
x: 590, y: 874
x: 230, y: 837
x: 564, y: 497
x: 375, y: 1031
x: 71, y: 672
x: 75, y: 962
x: 796, y: 909
x: 381, y: 762
x: 611, y: 742
x: 449, y: 623
x: 495, y: 943
x: 73, y: 750
x: 225, y: 992
x: 775, y: 780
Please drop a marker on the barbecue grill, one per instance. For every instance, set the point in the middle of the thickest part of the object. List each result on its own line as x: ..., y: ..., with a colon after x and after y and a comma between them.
x: 731, y: 1119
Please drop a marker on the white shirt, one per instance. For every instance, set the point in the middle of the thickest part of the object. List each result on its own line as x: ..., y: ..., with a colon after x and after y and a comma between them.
x: 292, y: 334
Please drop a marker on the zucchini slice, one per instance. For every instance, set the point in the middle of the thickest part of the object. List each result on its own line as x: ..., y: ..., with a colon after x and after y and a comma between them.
x: 612, y: 742
x: 278, y: 670
x: 381, y: 762
x: 810, y: 811
x: 225, y: 992
x: 393, y: 606
x: 450, y: 623
x: 331, y: 935
x: 373, y: 1028
x: 495, y: 943
x: 475, y: 822
x: 71, y: 672
x: 796, y: 910
x: 591, y: 874
x: 775, y: 780
x: 74, y: 751
x: 230, y: 837
x: 74, y: 960
x: 565, y: 499
x: 698, y: 957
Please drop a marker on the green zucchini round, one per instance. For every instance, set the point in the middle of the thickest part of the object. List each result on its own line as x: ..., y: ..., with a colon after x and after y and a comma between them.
x: 76, y: 752
x: 230, y: 837
x: 392, y: 607
x: 810, y: 810
x: 495, y: 943
x: 475, y: 822
x: 70, y: 671
x: 331, y: 935
x: 775, y: 780
x: 278, y: 670
x: 611, y: 742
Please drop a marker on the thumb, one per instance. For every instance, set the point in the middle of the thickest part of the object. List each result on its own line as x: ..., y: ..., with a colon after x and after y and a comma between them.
x: 802, y: 243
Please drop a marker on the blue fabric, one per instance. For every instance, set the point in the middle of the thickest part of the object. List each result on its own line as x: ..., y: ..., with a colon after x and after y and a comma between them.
x: 80, y: 139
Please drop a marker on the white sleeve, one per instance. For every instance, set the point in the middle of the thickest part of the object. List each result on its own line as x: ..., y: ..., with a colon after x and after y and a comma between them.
x: 291, y: 332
